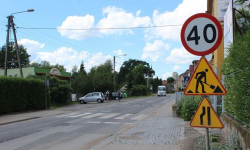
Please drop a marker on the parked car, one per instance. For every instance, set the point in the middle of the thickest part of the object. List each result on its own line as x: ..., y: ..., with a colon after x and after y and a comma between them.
x: 114, y: 95
x: 92, y: 97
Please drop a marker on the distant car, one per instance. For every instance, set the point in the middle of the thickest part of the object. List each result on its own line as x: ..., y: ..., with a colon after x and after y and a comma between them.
x: 161, y: 91
x: 92, y: 97
x: 114, y: 95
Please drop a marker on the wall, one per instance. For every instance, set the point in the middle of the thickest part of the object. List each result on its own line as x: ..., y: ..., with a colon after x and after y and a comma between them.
x: 231, y: 124
x: 26, y: 71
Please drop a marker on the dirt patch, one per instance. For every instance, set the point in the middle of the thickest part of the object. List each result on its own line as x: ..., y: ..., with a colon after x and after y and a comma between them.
x: 190, y: 138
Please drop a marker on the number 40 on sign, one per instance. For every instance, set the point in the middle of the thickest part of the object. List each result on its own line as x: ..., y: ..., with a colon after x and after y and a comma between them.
x: 201, y: 34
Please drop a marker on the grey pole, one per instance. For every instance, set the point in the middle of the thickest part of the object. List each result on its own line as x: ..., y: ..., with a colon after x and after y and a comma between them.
x: 207, y: 139
x: 114, y: 73
x: 7, y: 45
x: 17, y: 48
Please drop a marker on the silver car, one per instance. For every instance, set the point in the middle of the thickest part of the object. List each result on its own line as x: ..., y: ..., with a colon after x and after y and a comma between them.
x: 92, y: 97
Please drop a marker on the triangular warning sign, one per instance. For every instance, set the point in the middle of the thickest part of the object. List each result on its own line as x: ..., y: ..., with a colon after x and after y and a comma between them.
x: 205, y: 116
x: 204, y: 81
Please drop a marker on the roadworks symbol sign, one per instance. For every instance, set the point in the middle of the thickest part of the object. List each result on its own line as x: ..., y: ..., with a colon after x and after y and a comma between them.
x: 204, y: 81
x: 205, y: 116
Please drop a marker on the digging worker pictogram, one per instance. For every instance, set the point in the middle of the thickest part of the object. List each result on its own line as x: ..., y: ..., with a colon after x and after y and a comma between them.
x: 201, y: 75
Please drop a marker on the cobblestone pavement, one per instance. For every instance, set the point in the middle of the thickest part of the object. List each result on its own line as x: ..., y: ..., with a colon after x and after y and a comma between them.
x: 156, y: 132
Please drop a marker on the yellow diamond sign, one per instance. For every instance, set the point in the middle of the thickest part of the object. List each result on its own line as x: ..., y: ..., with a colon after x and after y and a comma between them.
x: 204, y: 81
x: 205, y: 116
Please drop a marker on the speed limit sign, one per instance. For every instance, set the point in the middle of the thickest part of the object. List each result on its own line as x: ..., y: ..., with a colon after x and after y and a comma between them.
x: 201, y: 34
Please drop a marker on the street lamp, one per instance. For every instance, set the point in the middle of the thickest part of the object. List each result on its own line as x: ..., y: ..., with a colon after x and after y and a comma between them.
x: 9, y: 26
x: 114, y: 68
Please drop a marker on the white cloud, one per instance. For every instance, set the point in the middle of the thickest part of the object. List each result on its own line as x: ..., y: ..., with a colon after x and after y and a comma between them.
x: 119, y: 59
x: 96, y: 59
x: 180, y: 56
x: 64, y: 56
x: 78, y: 22
x: 176, y: 67
x: 185, y: 10
x: 166, y: 75
x: 154, y: 50
x: 32, y: 47
x: 119, y: 18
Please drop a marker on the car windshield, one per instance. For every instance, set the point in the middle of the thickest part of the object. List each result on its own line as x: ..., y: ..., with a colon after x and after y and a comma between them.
x: 161, y: 88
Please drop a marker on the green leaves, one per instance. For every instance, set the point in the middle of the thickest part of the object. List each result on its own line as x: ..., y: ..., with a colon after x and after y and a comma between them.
x: 237, y: 72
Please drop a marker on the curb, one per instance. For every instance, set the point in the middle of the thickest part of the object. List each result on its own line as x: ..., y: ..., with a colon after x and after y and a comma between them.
x: 19, y: 120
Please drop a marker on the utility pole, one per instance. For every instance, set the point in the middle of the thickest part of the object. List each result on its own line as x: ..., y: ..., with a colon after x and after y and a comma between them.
x: 114, y: 73
x: 10, y: 26
x: 114, y: 68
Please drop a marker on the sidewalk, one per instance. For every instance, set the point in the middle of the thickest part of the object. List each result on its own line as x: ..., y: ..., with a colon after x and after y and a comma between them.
x: 160, y: 130
x: 6, y: 119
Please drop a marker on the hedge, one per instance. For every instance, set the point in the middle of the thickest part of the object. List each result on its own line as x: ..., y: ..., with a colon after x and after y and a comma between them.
x: 237, y: 72
x: 21, y: 94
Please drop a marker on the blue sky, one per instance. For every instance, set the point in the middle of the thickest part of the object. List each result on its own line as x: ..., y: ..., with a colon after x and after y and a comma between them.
x: 161, y: 47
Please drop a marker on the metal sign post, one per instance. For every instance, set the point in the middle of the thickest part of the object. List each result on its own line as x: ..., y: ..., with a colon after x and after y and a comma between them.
x: 201, y: 34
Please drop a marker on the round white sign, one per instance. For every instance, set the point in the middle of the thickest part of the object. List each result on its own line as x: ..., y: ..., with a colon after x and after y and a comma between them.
x: 201, y: 34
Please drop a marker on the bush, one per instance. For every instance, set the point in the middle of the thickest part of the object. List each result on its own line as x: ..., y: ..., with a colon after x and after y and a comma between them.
x: 237, y: 71
x: 138, y: 90
x: 187, y: 107
x: 59, y: 90
x: 20, y: 94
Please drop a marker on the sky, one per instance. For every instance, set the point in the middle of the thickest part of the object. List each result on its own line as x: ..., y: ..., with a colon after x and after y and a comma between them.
x: 68, y: 32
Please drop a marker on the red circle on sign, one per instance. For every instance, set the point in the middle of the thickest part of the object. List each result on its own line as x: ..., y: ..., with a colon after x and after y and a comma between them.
x: 216, y: 44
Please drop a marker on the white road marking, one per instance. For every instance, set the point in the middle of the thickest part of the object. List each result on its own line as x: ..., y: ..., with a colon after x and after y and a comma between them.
x: 140, y: 117
x: 66, y: 115
x: 94, y: 115
x: 128, y: 123
x: 84, y: 114
x: 93, y: 122
x: 124, y: 116
x: 109, y: 115
x: 112, y: 122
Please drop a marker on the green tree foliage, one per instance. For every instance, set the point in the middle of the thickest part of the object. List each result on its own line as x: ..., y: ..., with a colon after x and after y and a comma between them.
x: 129, y: 65
x: 155, y: 83
x: 82, y: 69
x: 46, y: 65
x: 138, y: 90
x: 170, y: 80
x: 187, y: 106
x: 99, y: 79
x: 59, y: 90
x: 24, y: 56
x: 138, y: 75
x: 243, y: 18
x: 237, y: 72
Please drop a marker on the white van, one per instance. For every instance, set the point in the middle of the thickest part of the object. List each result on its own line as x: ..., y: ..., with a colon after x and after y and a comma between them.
x: 161, y: 91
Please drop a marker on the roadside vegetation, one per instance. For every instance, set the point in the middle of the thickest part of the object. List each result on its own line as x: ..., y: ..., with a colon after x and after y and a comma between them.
x: 237, y: 71
x: 135, y: 76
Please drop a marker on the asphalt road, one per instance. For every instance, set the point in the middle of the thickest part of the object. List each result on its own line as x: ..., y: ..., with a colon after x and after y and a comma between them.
x: 81, y: 125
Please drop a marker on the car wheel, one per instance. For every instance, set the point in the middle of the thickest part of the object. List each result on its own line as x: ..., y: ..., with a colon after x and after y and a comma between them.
x: 99, y: 101
x: 82, y: 102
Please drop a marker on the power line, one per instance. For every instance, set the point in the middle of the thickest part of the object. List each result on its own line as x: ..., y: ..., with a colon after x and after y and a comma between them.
x: 120, y: 28
x: 48, y: 35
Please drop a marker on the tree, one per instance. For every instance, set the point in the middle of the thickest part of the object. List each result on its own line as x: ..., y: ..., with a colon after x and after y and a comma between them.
x: 82, y: 68
x: 24, y: 56
x: 170, y: 80
x: 138, y: 76
x: 46, y: 65
x: 155, y: 83
x: 128, y: 66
